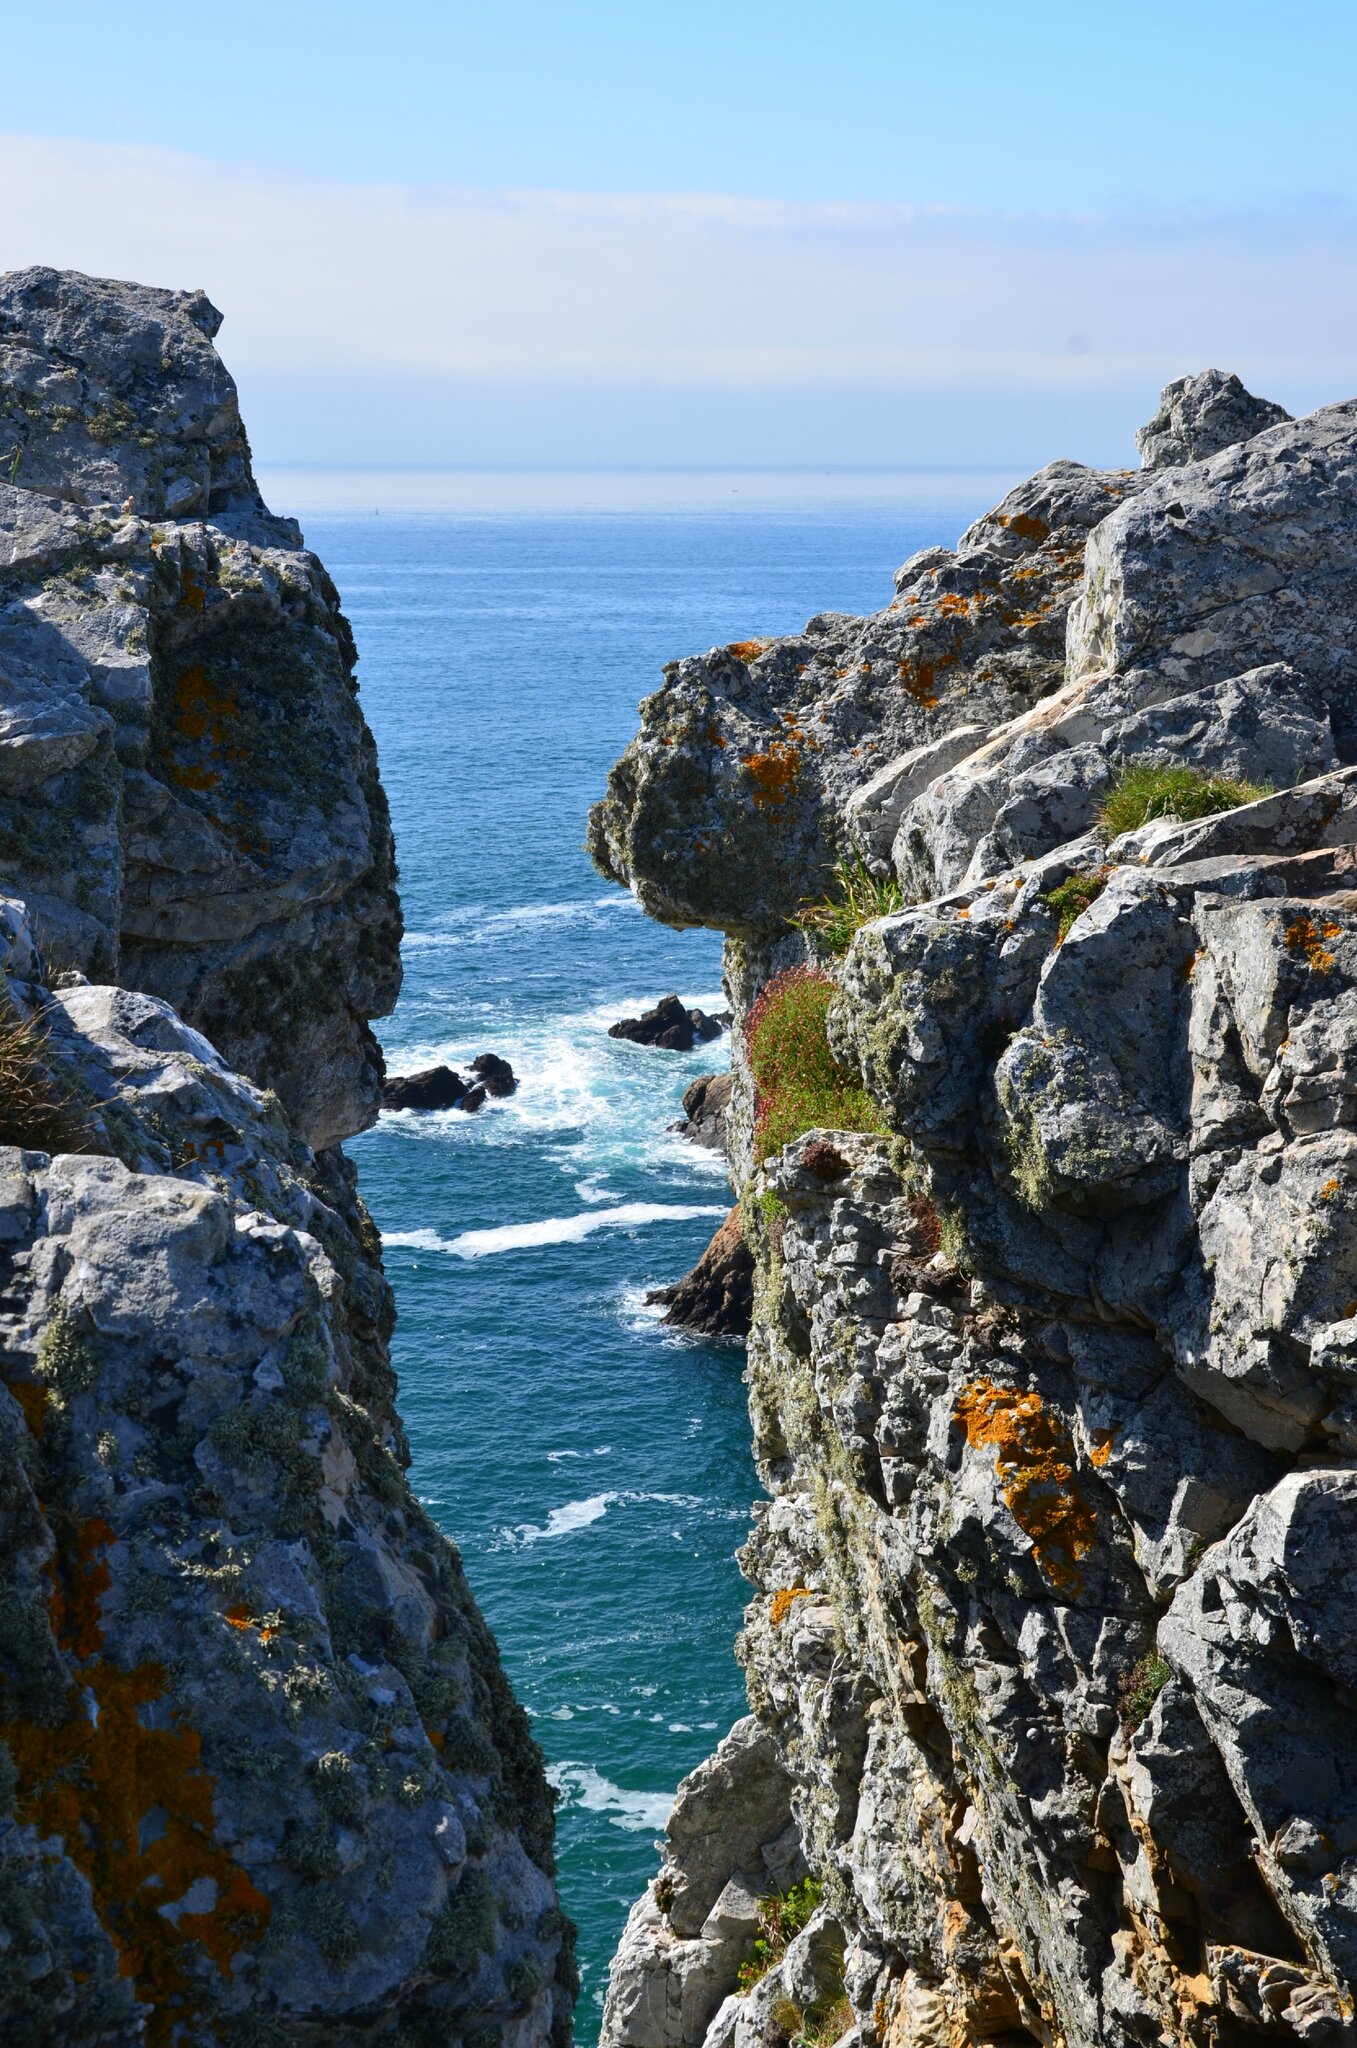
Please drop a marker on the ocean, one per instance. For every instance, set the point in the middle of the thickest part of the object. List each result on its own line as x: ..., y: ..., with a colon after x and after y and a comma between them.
x: 593, y: 1467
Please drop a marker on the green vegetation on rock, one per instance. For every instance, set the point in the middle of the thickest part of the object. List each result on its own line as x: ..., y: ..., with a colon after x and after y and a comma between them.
x: 1143, y: 791
x: 857, y: 897
x: 800, y: 1086
x: 782, y: 1915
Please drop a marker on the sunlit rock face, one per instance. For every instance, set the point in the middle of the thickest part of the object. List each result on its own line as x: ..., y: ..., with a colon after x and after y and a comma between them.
x: 262, y: 1778
x: 189, y: 796
x: 1051, y: 1385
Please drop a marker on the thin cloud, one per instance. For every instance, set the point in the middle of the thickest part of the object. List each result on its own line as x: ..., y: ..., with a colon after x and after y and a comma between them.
x: 695, y: 293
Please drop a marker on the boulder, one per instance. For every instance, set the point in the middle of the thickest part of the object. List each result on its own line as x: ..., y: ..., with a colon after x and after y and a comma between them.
x: 1198, y: 416
x: 670, y: 1025
x: 431, y: 1088
x: 497, y: 1076
x: 706, y: 1107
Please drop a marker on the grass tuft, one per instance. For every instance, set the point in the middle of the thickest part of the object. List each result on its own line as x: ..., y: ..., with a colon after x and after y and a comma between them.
x: 36, y: 1110
x: 1142, y: 792
x: 799, y: 1086
x: 857, y: 897
x: 1141, y: 1687
x: 782, y: 1915
x: 1074, y: 896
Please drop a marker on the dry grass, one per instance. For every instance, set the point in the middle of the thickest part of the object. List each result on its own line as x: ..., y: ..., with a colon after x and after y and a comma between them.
x: 37, y: 1108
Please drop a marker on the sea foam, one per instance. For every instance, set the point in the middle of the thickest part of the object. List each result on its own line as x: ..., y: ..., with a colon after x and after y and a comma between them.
x: 582, y: 1785
x: 514, y: 1237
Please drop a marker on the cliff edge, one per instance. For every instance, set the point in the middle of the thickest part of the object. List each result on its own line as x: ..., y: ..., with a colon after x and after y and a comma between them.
x: 262, y: 1779
x: 1049, y: 1656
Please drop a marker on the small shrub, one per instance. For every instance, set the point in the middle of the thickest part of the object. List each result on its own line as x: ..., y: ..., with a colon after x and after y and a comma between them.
x: 858, y: 896
x: 1141, y: 1687
x: 782, y: 1915
x: 1074, y: 896
x: 465, y: 1928
x: 1142, y: 792
x: 37, y: 1109
x: 798, y: 1084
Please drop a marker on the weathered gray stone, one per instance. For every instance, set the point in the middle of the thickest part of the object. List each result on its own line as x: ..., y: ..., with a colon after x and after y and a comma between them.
x: 189, y: 799
x: 1198, y: 416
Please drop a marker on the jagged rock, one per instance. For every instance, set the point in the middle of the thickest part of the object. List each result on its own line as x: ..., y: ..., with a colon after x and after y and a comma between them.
x: 1052, y: 1388
x: 444, y: 1088
x: 253, y: 1715
x: 497, y: 1076
x: 716, y: 1298
x: 1198, y: 416
x: 706, y: 1103
x: 430, y: 1088
x: 189, y: 798
x: 670, y: 1025
x: 729, y: 1841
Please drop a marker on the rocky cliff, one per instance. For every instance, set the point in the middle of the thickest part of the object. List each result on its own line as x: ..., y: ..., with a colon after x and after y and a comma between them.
x: 1050, y: 1653
x: 262, y: 1780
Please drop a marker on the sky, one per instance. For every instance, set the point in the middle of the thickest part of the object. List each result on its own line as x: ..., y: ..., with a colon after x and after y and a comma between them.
x: 874, y: 233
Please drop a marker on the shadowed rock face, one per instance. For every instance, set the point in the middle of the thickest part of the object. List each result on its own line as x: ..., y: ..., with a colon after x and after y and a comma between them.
x: 1052, y: 1389
x: 189, y: 797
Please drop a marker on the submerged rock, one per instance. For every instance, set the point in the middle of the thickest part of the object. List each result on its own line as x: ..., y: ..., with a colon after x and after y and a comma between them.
x: 670, y: 1025
x: 1051, y: 1388
x: 716, y: 1298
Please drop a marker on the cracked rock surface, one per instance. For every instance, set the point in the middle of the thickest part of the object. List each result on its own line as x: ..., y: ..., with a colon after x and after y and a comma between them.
x: 1052, y: 1388
x: 262, y: 1778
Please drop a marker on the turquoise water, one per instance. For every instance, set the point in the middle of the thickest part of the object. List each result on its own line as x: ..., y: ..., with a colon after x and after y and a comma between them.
x: 594, y: 1468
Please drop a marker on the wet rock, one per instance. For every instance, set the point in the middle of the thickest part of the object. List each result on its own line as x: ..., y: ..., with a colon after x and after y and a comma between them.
x: 431, y: 1088
x: 497, y: 1076
x: 706, y: 1105
x: 670, y: 1025
x: 714, y: 1300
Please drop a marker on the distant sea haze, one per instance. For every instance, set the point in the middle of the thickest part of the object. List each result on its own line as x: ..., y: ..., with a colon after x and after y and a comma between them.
x: 594, y: 1468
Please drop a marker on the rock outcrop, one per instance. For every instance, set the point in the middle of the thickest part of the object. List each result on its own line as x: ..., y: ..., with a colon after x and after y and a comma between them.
x: 262, y: 1778
x: 671, y: 1026
x: 1051, y: 1387
x: 716, y: 1298
x: 706, y: 1107
x: 189, y: 797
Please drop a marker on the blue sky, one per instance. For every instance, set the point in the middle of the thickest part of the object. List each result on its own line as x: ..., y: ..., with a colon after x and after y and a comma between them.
x: 788, y: 233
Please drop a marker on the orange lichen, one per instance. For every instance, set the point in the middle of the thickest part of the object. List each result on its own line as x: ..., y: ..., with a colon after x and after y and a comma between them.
x: 918, y: 678
x: 1329, y: 1190
x: 784, y: 1600
x: 747, y: 650
x: 203, y: 716
x: 1303, y: 939
x: 1036, y: 1467
x: 192, y: 596
x: 774, y: 774
x: 714, y: 737
x: 1103, y: 1440
x: 130, y: 1802
x: 240, y: 1617
x: 1026, y: 525
x: 950, y: 604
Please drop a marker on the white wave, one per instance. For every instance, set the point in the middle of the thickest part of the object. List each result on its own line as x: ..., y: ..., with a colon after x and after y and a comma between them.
x: 594, y: 1191
x: 514, y: 1237
x: 581, y: 1785
x: 576, y: 1514
x: 600, y: 1451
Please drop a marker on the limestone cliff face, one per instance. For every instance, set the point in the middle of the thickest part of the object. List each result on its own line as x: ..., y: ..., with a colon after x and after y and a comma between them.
x: 1050, y: 1650
x: 262, y: 1779
x: 189, y: 798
